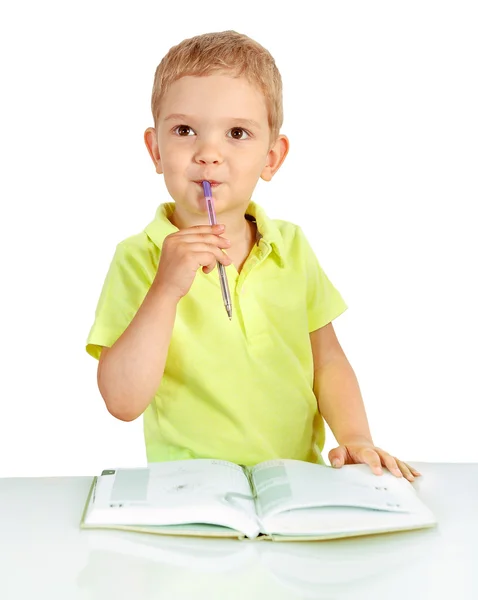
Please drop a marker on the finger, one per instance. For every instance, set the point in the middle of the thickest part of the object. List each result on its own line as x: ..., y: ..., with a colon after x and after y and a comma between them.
x: 214, y: 229
x: 373, y: 460
x: 399, y: 468
x: 212, y: 240
x: 414, y: 471
x: 390, y: 462
x: 405, y: 469
x: 395, y: 466
x: 192, y: 251
x: 209, y: 259
x: 337, y: 456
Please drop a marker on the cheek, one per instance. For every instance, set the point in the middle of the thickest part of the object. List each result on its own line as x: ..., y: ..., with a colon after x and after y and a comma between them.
x: 250, y: 162
x: 176, y: 161
x: 173, y: 154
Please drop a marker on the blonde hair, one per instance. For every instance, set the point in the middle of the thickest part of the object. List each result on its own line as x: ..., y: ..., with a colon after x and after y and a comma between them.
x: 227, y: 52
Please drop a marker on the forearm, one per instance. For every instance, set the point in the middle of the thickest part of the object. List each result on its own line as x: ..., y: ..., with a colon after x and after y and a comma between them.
x: 340, y: 401
x: 133, y: 367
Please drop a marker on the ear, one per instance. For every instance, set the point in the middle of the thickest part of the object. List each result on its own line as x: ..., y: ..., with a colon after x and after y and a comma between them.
x: 275, y: 157
x: 152, y: 145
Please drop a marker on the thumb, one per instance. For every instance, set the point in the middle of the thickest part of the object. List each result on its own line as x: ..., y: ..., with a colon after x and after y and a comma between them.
x: 337, y: 456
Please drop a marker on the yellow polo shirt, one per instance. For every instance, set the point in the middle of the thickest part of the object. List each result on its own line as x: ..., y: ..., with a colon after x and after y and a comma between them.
x: 239, y: 390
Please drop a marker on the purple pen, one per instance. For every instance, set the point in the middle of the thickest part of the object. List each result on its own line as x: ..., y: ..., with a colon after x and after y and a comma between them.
x: 226, y: 296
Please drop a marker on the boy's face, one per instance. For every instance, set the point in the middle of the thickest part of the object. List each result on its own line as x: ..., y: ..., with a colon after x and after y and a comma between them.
x: 215, y: 128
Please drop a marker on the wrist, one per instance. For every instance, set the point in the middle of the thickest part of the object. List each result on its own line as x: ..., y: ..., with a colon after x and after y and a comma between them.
x: 162, y: 292
x: 351, y: 440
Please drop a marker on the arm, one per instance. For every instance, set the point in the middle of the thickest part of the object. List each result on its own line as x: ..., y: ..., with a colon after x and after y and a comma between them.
x: 340, y: 403
x: 337, y: 390
x: 129, y: 373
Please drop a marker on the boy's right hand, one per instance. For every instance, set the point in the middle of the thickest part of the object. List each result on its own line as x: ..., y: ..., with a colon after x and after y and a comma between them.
x: 184, y: 252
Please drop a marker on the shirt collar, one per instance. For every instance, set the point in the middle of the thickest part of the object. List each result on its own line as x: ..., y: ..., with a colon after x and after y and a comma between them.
x: 267, y: 231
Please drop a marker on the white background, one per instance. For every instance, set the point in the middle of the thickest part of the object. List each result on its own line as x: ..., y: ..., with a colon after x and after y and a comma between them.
x: 380, y: 106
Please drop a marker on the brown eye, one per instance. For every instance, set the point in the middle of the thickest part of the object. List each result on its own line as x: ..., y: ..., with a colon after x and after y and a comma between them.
x: 238, y: 133
x: 183, y: 130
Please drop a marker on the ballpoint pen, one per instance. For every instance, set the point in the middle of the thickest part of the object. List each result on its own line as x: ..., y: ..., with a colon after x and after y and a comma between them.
x: 226, y: 296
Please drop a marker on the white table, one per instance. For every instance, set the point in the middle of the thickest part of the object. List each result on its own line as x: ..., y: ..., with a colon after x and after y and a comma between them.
x: 44, y: 555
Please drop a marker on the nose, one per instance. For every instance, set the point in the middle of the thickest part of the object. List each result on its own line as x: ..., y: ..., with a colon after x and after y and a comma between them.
x: 208, y: 152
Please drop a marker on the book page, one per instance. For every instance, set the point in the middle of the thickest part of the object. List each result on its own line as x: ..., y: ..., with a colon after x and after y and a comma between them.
x: 283, y: 485
x: 175, y: 492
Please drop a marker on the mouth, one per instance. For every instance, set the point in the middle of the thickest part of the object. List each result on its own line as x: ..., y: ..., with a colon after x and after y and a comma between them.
x: 211, y: 181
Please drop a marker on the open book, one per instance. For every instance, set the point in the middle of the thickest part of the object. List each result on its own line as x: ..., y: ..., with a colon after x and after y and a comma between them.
x: 277, y: 499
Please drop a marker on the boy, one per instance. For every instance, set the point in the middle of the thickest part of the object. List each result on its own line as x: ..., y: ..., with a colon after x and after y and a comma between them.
x: 256, y: 387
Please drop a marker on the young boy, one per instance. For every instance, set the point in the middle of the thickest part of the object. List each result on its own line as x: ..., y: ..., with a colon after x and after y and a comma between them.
x: 258, y: 386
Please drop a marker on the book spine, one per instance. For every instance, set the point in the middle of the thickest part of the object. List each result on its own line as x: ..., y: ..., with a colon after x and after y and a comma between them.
x: 250, y: 479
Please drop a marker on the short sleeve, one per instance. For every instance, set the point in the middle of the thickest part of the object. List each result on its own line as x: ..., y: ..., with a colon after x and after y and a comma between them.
x: 324, y: 302
x: 126, y: 284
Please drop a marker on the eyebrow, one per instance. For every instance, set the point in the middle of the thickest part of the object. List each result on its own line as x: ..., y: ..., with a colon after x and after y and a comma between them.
x: 181, y: 117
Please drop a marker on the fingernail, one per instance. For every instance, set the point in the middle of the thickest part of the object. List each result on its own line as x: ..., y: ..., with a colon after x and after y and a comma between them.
x: 219, y: 226
x: 335, y: 463
x: 378, y: 470
x: 398, y: 472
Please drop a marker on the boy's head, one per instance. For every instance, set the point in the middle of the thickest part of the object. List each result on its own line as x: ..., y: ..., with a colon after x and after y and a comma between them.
x: 217, y: 108
x: 223, y: 53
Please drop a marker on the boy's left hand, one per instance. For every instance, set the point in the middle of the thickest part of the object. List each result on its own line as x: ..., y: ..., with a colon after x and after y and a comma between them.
x: 365, y: 452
